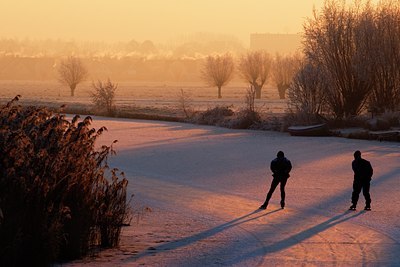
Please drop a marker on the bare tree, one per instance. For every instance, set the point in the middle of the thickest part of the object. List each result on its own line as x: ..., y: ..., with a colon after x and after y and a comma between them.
x: 255, y: 68
x: 103, y: 96
x: 218, y: 71
x: 386, y: 57
x: 71, y: 72
x: 307, y: 94
x: 283, y: 70
x: 333, y: 42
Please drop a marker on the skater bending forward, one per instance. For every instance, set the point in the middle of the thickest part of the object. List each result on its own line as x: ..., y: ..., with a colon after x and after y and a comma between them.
x: 280, y: 168
x: 362, y: 177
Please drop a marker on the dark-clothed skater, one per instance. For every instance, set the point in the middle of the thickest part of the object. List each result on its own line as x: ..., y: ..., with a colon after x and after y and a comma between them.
x: 362, y: 177
x: 280, y: 168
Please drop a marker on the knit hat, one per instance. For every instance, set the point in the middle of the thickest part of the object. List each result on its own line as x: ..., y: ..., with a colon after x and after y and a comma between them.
x: 357, y: 154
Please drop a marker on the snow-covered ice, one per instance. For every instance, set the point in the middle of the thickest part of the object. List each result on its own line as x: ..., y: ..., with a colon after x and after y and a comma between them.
x: 204, y: 184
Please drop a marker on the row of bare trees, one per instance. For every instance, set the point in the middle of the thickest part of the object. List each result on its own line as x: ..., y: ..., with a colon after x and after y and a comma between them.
x: 352, y: 60
x: 255, y: 68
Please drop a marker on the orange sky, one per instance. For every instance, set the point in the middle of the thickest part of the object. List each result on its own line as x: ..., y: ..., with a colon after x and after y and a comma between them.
x: 157, y: 20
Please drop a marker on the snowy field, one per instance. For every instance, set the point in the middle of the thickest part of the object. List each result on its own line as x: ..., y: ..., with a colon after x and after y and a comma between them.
x: 150, y: 95
x: 203, y: 186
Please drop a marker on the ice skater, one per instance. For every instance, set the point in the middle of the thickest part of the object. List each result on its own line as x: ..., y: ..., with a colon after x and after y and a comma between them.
x: 280, y: 168
x: 362, y: 177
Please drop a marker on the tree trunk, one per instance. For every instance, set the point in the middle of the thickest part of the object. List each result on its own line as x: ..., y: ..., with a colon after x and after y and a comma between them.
x: 219, y: 92
x: 72, y: 87
x: 282, y: 91
x: 257, y: 88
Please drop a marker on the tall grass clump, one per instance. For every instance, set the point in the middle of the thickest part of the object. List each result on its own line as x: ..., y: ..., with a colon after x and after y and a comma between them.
x: 248, y: 116
x: 185, y: 103
x: 215, y: 116
x: 103, y: 96
x: 56, y: 202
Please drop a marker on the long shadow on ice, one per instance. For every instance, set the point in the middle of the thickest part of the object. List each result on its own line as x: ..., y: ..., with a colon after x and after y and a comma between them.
x: 186, y: 241
x: 239, y: 259
x: 292, y: 224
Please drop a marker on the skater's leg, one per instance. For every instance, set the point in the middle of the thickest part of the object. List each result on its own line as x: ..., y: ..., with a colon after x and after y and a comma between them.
x: 356, y: 192
x: 283, y: 194
x: 274, y: 184
x: 366, y: 194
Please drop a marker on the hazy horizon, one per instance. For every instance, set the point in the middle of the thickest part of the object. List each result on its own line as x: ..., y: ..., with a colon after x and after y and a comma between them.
x: 157, y: 20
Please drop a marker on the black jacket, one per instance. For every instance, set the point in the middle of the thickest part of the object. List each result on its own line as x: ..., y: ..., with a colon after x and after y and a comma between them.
x: 362, y: 169
x: 281, y: 167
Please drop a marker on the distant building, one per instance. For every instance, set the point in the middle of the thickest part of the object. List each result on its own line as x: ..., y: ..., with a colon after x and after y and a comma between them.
x: 276, y: 43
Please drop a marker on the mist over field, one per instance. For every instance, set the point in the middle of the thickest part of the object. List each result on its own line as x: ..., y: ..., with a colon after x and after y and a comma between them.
x: 147, y: 73
x: 152, y: 51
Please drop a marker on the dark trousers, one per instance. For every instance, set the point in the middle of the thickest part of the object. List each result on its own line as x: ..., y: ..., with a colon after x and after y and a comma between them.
x: 274, y: 184
x: 357, y: 186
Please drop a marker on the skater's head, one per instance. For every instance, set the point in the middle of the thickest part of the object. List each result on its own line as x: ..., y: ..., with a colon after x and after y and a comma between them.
x: 280, y: 154
x: 357, y: 154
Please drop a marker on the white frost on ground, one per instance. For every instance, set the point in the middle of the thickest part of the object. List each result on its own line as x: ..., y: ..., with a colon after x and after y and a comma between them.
x: 204, y: 185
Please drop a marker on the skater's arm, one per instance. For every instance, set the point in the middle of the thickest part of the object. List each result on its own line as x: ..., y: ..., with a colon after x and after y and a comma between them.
x: 289, y: 166
x: 371, y: 170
